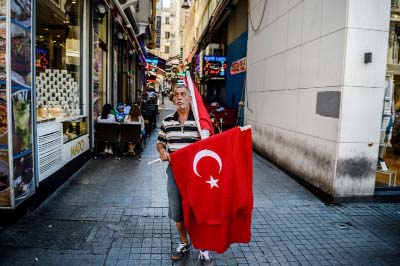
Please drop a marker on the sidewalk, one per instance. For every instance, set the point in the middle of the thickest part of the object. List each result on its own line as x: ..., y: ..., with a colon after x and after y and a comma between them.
x: 115, y: 213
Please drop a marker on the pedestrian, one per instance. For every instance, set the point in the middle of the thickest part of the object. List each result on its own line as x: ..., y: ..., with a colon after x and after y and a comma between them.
x: 179, y: 130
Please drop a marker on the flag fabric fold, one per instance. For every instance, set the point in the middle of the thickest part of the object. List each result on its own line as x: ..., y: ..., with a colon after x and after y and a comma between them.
x: 198, y: 108
x: 214, y: 177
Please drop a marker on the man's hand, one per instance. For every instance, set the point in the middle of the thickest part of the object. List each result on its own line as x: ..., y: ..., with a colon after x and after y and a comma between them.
x: 164, y: 155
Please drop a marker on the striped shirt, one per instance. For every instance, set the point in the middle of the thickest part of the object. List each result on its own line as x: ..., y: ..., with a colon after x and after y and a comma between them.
x: 174, y: 136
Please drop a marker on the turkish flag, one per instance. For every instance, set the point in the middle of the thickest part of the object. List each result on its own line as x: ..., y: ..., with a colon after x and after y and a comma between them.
x: 214, y: 177
x: 201, y: 112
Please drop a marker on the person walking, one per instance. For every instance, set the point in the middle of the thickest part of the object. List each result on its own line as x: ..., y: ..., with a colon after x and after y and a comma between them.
x: 179, y: 130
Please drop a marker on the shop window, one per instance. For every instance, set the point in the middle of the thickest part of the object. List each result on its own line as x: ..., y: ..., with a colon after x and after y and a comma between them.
x: 58, y: 56
x: 99, y: 56
x: 389, y: 147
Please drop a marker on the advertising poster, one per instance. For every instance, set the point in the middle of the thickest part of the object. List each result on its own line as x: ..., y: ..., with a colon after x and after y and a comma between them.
x: 5, y: 195
x: 21, y: 12
x: 97, y: 67
x: 239, y: 66
x: 24, y: 184
x: 3, y: 8
x: 21, y: 98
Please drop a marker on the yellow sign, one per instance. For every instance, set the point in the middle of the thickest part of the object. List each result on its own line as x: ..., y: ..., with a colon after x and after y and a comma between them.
x: 77, y: 148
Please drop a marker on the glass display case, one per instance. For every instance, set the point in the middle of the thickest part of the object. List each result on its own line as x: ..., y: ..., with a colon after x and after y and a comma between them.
x: 74, y: 129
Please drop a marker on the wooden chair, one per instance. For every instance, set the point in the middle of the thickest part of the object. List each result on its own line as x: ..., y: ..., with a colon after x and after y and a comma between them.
x: 130, y: 133
x: 106, y: 133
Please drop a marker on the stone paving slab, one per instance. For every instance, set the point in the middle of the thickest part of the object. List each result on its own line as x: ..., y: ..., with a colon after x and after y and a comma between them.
x: 116, y: 213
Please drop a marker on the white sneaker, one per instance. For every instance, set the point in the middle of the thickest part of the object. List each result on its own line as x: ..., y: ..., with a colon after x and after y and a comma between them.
x: 205, y: 258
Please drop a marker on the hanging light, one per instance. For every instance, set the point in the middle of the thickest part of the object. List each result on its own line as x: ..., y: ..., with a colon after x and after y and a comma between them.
x: 120, y: 35
x: 186, y: 4
x: 100, y: 10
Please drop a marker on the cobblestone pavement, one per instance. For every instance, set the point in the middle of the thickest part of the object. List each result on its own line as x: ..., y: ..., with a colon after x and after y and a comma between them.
x: 115, y: 213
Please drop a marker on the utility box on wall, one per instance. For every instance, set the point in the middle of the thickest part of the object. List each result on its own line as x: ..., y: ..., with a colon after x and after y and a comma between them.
x: 17, y: 180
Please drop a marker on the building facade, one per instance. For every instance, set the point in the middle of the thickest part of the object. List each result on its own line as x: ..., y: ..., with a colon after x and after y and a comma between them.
x: 315, y: 91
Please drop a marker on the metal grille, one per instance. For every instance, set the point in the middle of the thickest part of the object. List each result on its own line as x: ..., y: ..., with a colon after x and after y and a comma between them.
x: 50, y: 143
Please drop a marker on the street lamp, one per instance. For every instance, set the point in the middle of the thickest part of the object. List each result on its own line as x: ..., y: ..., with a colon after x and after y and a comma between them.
x: 186, y: 4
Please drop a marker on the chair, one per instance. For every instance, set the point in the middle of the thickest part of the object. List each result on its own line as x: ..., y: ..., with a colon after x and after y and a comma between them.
x: 152, y: 110
x: 130, y: 133
x: 106, y: 132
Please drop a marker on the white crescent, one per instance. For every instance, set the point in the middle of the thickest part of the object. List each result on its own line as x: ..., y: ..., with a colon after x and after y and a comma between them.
x: 206, y: 153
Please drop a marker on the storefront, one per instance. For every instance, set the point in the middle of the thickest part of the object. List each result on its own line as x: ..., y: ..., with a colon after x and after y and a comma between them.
x: 61, y: 98
x: 55, y: 75
x: 389, y: 147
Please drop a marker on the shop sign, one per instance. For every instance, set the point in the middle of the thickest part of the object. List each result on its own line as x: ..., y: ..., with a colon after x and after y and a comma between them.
x: 238, y: 66
x: 214, y: 67
x: 75, y: 148
x: 181, y: 75
x: 151, y: 69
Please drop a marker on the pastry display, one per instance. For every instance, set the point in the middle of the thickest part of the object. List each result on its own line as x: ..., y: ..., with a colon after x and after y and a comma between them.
x: 58, y: 93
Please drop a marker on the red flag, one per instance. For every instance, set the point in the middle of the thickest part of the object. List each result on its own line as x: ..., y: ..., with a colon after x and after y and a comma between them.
x: 201, y: 112
x: 214, y: 177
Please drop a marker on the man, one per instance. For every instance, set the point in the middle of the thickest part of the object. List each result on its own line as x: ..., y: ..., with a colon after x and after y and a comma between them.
x: 177, y: 131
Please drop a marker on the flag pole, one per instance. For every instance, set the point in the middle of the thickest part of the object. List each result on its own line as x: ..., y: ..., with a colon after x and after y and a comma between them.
x: 194, y: 102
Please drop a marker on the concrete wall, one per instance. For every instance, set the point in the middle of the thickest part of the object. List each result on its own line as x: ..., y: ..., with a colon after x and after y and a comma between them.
x: 236, y: 49
x: 315, y: 107
x: 362, y: 96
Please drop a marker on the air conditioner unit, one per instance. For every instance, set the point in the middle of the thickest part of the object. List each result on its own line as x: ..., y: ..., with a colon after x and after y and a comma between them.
x: 215, y: 49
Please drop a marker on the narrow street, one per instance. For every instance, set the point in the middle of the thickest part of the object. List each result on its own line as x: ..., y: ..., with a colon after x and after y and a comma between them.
x: 115, y: 213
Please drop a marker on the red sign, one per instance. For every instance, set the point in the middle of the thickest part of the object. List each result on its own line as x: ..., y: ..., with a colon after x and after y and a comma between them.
x: 239, y: 66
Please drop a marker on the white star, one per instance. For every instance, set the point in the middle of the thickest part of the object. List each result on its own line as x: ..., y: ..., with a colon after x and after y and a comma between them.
x: 213, y: 182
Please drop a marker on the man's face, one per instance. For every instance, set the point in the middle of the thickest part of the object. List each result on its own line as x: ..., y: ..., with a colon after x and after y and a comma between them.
x: 182, y: 98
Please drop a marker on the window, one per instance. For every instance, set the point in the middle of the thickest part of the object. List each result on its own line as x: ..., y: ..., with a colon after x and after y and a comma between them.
x: 58, y: 58
x: 158, y: 25
x: 167, y: 35
x: 167, y: 20
x: 167, y: 49
x: 158, y: 42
